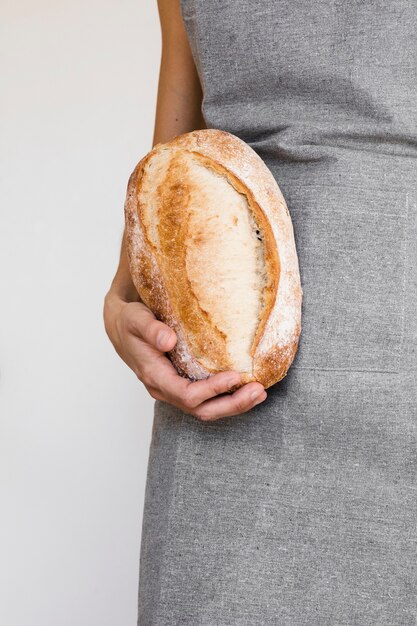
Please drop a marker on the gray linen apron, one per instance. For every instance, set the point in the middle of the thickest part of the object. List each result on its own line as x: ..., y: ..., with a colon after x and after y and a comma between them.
x: 304, y: 510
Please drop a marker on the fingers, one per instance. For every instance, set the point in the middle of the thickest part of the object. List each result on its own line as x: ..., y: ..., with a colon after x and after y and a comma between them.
x: 190, y: 395
x: 239, y: 402
x: 143, y: 323
x: 201, y: 398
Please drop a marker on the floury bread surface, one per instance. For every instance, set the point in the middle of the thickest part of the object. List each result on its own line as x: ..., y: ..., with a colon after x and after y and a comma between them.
x: 211, y: 251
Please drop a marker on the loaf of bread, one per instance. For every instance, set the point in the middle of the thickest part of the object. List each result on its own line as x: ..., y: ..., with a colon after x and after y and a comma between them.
x: 211, y: 251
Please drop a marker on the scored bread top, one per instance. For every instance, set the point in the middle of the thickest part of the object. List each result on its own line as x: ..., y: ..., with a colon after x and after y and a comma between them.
x: 168, y: 251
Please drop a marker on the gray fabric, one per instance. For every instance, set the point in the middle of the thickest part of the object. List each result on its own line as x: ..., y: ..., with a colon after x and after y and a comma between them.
x: 304, y: 510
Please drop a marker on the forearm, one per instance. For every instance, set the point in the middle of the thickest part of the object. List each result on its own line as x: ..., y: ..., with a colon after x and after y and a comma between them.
x: 179, y: 99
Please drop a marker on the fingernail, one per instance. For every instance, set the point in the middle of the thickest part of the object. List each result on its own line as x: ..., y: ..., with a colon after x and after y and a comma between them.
x: 233, y: 380
x: 257, y: 394
x: 260, y: 399
x: 163, y: 338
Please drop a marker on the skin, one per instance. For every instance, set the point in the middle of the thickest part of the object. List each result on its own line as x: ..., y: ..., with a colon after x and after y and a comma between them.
x: 137, y: 336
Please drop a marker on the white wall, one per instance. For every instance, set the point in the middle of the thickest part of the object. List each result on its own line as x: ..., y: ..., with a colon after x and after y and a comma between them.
x: 79, y: 81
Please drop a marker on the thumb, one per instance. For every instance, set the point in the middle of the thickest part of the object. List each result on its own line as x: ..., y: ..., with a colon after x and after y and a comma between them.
x: 152, y: 331
x: 156, y: 333
x: 166, y: 338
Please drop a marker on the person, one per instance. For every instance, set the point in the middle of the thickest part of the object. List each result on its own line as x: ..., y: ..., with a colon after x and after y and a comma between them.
x: 295, y: 506
x: 137, y: 336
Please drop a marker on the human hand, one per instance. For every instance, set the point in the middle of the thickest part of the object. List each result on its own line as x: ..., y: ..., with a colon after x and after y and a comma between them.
x: 141, y: 341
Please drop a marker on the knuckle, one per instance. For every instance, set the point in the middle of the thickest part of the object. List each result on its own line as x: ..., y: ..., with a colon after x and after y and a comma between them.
x: 216, y: 386
x: 154, y: 393
x: 147, y: 374
x: 240, y: 406
x: 135, y: 318
x: 188, y: 399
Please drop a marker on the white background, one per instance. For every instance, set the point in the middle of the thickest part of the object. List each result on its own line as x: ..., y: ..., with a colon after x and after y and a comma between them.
x: 79, y: 82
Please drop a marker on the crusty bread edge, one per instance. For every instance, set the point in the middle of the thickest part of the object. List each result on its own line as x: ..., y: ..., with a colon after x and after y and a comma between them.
x: 147, y: 278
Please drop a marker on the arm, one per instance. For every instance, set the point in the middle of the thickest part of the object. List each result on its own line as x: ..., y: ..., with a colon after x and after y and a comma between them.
x: 138, y: 337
